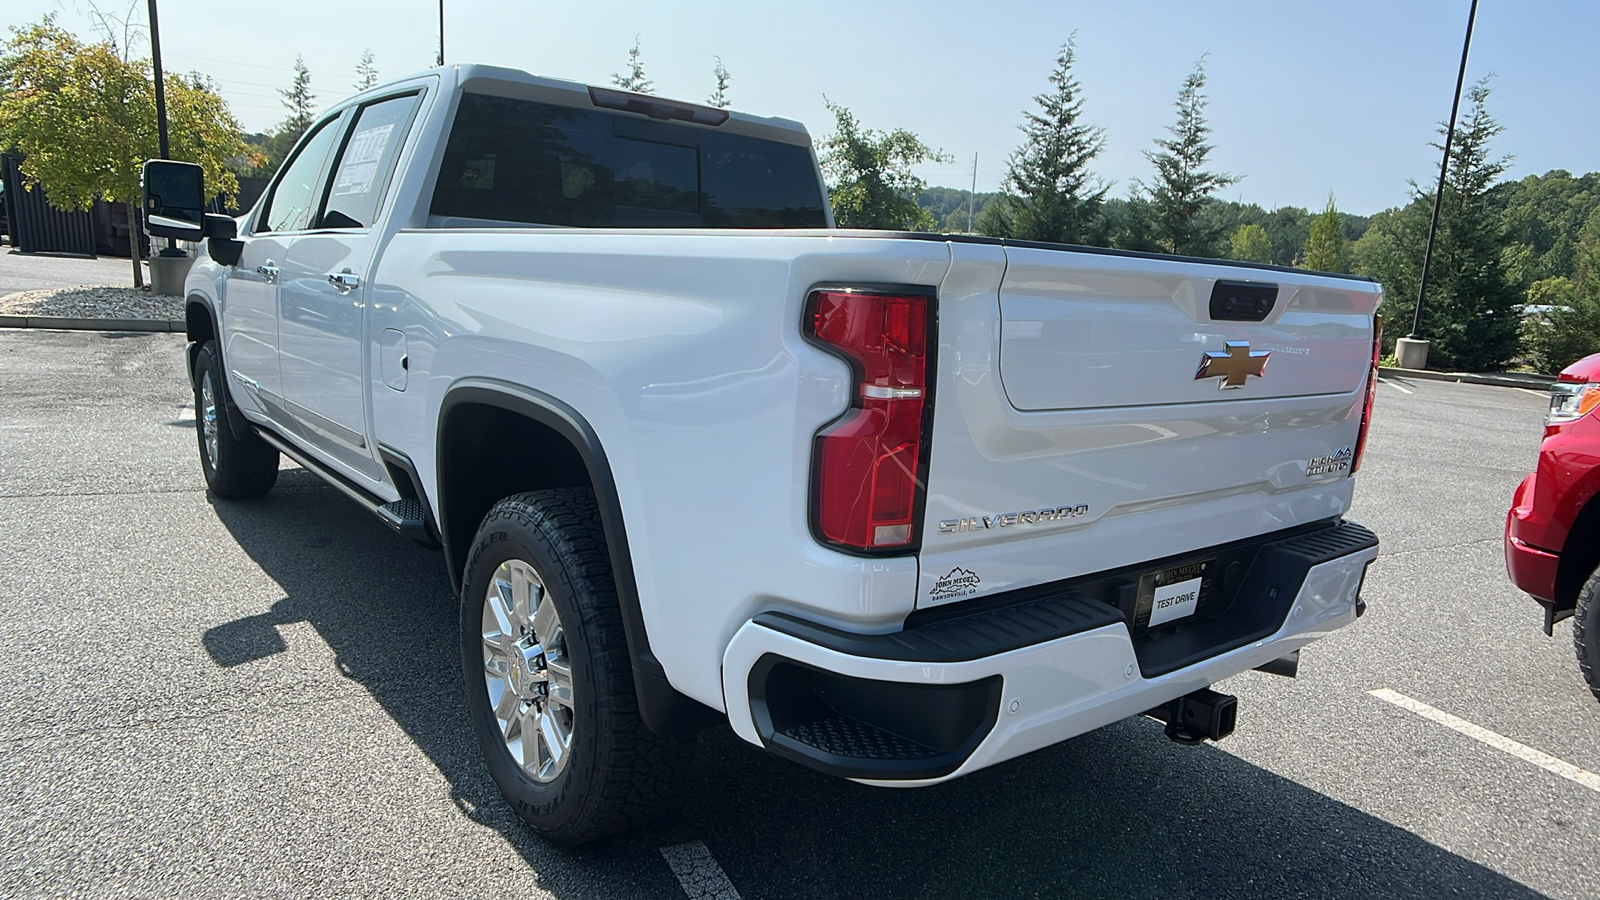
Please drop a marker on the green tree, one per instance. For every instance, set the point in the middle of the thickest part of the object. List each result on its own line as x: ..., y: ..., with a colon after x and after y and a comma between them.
x: 1182, y: 185
x: 955, y: 209
x: 1391, y: 253
x: 1470, y: 314
x: 1543, y: 216
x: 366, y: 70
x: 1327, y: 249
x: 1561, y: 322
x: 85, y: 116
x: 301, y: 104
x: 870, y: 182
x: 1049, y: 193
x: 1250, y: 244
x: 719, y: 97
x: 299, y: 100
x: 1131, y: 224
x: 635, y: 80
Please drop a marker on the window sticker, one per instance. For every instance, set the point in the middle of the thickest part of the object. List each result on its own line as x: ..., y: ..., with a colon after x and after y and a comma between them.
x: 361, y: 158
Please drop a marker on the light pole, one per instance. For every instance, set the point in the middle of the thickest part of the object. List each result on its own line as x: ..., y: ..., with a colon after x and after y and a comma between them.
x: 1411, y: 351
x: 441, y: 30
x: 161, y: 95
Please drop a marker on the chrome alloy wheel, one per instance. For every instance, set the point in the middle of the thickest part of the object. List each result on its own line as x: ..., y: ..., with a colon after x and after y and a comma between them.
x: 208, y: 417
x: 527, y: 671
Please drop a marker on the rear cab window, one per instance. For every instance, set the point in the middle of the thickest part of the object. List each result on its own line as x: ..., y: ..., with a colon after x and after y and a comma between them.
x: 367, y: 162
x: 522, y: 161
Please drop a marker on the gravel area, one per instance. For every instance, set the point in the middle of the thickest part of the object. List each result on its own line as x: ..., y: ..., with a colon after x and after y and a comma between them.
x: 93, y: 302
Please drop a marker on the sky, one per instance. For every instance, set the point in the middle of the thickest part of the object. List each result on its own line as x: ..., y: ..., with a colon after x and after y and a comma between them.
x: 1306, y: 99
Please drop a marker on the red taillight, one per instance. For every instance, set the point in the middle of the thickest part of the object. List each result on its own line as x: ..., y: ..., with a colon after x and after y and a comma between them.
x: 868, y: 462
x: 1372, y: 391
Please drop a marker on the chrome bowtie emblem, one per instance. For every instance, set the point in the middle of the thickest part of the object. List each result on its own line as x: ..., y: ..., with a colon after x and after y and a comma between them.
x: 1233, y: 365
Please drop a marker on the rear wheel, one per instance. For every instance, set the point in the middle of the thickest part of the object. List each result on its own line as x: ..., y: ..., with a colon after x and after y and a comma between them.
x: 234, y: 468
x: 1586, y: 632
x: 548, y: 678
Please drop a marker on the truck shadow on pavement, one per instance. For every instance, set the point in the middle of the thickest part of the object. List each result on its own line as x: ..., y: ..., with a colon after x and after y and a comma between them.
x: 1119, y: 813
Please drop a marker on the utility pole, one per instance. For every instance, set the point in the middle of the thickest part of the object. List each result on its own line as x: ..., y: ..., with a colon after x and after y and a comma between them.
x: 441, y: 30
x: 171, y: 249
x: 1420, y: 347
x: 161, y: 96
x: 972, y: 195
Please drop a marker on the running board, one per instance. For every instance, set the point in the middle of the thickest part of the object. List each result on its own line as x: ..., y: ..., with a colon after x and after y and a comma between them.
x: 407, y: 516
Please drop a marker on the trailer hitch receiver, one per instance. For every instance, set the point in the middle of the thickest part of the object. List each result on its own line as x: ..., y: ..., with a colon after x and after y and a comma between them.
x: 1200, y: 716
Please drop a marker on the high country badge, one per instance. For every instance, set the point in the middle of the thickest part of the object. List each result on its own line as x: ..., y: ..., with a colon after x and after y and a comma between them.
x: 1338, y: 461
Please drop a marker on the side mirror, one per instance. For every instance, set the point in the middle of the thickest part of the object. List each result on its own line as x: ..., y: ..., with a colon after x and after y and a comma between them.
x: 174, y: 200
x: 220, y: 226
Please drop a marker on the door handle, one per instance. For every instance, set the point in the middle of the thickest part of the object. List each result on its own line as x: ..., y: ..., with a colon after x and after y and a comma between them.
x: 267, y: 271
x: 345, y: 281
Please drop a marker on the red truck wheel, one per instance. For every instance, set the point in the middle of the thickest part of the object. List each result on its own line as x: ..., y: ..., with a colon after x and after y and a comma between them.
x: 1586, y: 632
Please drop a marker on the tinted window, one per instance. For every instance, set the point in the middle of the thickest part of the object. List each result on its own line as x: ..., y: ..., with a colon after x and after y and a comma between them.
x: 289, y: 207
x: 366, y: 163
x: 521, y: 161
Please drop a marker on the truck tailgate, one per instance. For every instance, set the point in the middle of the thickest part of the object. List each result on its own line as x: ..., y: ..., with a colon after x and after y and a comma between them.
x: 1093, y: 411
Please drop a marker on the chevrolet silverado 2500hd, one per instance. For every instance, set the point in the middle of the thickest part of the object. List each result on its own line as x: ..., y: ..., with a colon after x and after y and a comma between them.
x: 893, y: 506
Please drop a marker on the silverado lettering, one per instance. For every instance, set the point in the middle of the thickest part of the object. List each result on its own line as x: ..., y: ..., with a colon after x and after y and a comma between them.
x: 1004, y: 520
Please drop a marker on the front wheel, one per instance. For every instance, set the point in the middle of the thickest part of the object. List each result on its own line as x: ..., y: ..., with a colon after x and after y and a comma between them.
x: 548, y: 679
x: 1586, y: 632
x: 234, y: 468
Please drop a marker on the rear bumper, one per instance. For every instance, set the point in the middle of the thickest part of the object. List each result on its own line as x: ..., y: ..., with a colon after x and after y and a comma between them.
x: 1001, y: 705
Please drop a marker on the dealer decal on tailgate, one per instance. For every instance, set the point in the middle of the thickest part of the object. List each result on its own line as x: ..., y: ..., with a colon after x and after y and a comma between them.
x: 1170, y: 594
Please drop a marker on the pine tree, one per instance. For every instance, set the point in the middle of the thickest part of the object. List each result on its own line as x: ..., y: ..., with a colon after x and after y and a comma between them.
x: 635, y: 80
x: 719, y: 97
x: 1182, y: 185
x: 1327, y: 249
x: 299, y: 100
x: 1050, y: 194
x: 1469, y: 315
x: 366, y: 70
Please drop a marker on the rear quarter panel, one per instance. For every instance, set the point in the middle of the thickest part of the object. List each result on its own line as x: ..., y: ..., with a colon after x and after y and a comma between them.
x: 683, y: 352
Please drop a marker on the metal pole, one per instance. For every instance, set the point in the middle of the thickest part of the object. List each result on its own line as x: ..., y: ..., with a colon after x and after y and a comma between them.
x: 161, y: 95
x: 441, y: 30
x: 1444, y: 166
x: 972, y: 196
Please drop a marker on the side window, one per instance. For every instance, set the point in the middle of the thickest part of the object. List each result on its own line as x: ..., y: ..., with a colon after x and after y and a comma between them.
x: 289, y: 208
x: 367, y: 162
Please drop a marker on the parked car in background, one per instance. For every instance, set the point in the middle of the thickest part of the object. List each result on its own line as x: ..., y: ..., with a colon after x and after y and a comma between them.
x: 1552, y: 539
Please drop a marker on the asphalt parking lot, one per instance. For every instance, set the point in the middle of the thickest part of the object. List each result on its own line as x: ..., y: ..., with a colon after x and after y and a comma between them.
x: 46, y: 271
x: 201, y: 698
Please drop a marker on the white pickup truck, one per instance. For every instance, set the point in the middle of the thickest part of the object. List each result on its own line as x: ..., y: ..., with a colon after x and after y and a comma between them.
x: 894, y: 506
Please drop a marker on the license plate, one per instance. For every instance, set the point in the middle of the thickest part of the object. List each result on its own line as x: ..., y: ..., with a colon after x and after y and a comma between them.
x: 1167, y: 595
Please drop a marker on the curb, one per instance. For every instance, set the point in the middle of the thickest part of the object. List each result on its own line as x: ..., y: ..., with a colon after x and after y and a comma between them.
x: 62, y: 323
x: 1532, y: 382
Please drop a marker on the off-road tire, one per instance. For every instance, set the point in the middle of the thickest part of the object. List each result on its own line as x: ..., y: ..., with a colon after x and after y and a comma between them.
x: 238, y: 468
x: 1586, y: 632
x: 619, y: 772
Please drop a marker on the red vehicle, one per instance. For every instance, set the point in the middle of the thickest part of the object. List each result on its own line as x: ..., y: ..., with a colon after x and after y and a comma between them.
x: 1552, y: 538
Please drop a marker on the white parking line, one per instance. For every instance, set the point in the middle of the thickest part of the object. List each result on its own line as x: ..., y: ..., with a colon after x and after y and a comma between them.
x: 1498, y: 741
x: 698, y: 872
x: 186, y: 414
x: 1397, y: 387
